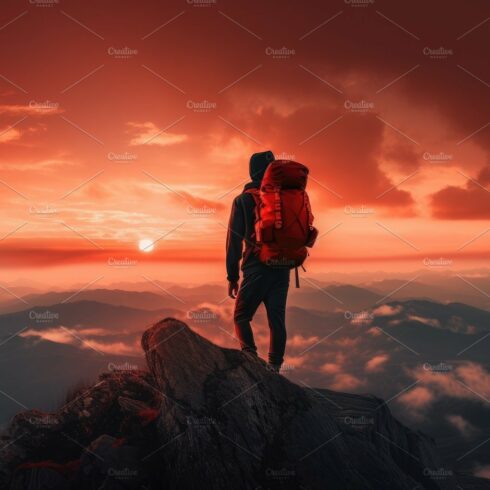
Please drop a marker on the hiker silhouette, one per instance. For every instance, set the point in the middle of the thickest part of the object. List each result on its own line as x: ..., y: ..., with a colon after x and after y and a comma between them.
x: 273, y: 218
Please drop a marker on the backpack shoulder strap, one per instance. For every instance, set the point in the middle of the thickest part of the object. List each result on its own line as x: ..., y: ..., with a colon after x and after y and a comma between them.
x: 255, y: 193
x: 308, y: 210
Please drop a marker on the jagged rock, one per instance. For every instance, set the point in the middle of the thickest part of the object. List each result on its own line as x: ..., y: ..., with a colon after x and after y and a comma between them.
x: 133, y: 407
x: 208, y: 417
x: 415, y: 452
x: 35, y: 437
x: 109, y: 464
x: 39, y: 477
x: 263, y: 431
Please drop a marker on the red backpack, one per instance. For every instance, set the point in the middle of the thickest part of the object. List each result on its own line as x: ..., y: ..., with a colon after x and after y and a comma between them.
x: 283, y: 217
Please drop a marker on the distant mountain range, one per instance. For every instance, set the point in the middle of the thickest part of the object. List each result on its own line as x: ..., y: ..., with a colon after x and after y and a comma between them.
x: 473, y: 291
x: 81, y: 313
x: 428, y: 358
x: 201, y: 416
x: 38, y: 373
x: 321, y: 295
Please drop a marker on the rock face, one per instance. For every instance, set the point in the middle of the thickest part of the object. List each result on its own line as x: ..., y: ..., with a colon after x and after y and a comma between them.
x: 208, y: 417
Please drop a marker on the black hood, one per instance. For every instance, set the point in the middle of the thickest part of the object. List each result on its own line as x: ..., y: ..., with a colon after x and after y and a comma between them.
x: 258, y: 164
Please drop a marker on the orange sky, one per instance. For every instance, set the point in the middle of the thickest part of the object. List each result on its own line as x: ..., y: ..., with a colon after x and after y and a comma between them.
x: 122, y: 121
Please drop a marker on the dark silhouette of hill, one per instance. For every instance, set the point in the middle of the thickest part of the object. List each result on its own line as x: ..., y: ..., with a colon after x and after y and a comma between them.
x: 151, y: 297
x: 333, y: 297
x: 80, y: 313
x: 207, y: 417
x: 132, y: 299
x: 444, y: 313
x: 438, y: 288
x: 37, y: 373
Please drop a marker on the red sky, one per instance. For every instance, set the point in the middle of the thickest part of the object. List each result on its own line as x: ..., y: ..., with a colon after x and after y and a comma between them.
x: 122, y: 121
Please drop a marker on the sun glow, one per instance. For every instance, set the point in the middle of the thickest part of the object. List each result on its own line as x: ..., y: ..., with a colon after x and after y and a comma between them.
x: 146, y: 245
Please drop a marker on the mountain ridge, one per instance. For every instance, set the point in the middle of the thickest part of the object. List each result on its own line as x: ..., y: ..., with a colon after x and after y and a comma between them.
x: 204, y: 416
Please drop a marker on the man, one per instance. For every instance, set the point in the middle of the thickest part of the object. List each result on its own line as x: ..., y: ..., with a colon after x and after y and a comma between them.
x: 261, y: 283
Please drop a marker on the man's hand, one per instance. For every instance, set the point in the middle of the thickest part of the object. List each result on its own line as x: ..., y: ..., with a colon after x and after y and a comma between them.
x: 232, y: 289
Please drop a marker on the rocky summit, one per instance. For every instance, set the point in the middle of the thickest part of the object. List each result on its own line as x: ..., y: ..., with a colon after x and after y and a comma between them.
x: 207, y: 417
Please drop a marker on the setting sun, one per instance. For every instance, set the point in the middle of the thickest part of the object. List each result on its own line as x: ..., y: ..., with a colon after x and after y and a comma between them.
x: 146, y: 245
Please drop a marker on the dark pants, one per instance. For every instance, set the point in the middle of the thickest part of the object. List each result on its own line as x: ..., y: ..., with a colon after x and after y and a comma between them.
x: 268, y: 286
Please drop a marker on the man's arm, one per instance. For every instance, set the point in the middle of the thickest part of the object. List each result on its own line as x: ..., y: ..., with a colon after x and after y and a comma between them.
x: 234, y: 246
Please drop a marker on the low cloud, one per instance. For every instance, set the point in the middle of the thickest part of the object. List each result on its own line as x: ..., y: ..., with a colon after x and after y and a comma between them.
x: 330, y: 368
x: 34, y: 108
x: 432, y: 322
x: 148, y: 133
x: 467, y: 381
x: 387, y: 310
x: 7, y: 135
x: 83, y: 339
x: 45, y: 165
x: 301, y: 342
x: 345, y: 382
x: 196, y: 204
x: 418, y: 398
x: 377, y: 363
x: 465, y: 427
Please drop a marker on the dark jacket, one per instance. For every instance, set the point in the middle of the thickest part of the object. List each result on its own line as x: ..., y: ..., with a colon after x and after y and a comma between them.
x: 242, y: 220
x: 241, y: 231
